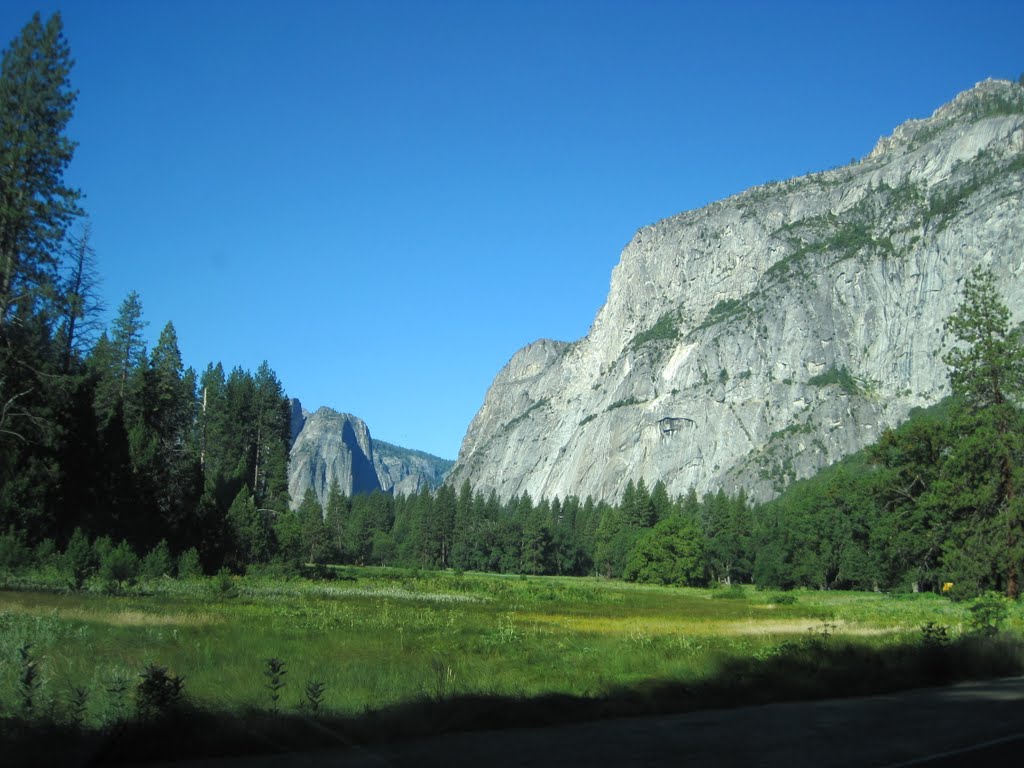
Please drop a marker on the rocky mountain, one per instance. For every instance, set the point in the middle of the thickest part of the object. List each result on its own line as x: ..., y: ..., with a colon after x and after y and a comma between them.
x: 327, y: 445
x: 755, y: 340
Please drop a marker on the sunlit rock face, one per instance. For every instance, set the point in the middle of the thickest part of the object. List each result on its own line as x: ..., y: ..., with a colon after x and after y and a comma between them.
x: 328, y: 445
x: 751, y: 342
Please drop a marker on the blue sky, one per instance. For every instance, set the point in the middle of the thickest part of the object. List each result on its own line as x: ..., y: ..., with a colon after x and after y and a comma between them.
x: 385, y: 200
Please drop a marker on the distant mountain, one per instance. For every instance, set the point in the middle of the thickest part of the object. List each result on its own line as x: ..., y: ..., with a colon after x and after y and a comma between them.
x: 758, y: 339
x: 329, y: 445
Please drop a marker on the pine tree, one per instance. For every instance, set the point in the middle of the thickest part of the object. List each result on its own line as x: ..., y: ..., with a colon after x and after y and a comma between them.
x: 313, y: 534
x: 129, y: 347
x: 982, y: 474
x: 81, y: 305
x: 36, y: 206
x: 270, y: 442
x: 336, y: 518
x: 36, y: 210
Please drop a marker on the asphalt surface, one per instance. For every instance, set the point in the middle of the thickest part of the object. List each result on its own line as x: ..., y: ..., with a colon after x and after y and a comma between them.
x: 972, y: 724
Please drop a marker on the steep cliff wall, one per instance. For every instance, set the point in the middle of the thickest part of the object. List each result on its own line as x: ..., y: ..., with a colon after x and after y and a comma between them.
x: 328, y: 445
x: 758, y: 339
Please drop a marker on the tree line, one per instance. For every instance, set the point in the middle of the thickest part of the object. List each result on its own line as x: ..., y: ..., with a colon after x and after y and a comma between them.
x: 96, y: 432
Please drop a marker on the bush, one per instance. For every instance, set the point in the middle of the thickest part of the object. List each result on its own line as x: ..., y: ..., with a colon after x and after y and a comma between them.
x: 987, y: 613
x: 226, y: 583
x: 45, y: 554
x: 79, y: 559
x: 158, y: 691
x: 158, y: 562
x: 189, y: 566
x: 119, y: 567
x: 14, y: 553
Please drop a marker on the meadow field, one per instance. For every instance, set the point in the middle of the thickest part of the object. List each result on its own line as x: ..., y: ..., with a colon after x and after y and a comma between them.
x: 376, y: 640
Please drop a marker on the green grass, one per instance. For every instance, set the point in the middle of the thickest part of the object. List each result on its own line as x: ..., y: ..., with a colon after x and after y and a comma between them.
x: 388, y: 640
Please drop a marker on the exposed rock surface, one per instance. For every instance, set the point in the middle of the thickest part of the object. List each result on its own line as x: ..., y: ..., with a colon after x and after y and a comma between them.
x: 404, y: 471
x: 753, y: 341
x: 327, y: 445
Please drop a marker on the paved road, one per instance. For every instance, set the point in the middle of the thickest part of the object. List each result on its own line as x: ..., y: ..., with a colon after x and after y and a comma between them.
x: 972, y: 724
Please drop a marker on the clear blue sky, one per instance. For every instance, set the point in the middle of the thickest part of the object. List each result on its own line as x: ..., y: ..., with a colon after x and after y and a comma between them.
x: 385, y: 200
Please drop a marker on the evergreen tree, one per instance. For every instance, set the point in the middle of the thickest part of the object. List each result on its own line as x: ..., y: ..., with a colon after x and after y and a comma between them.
x: 536, y: 542
x: 980, y: 479
x: 81, y: 307
x: 251, y: 531
x: 271, y: 439
x: 36, y: 206
x: 444, y: 511
x: 313, y: 533
x: 129, y: 348
x: 336, y: 519
x: 36, y: 210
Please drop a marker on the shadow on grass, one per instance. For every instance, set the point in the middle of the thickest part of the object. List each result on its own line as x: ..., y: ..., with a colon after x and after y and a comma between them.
x: 813, y: 668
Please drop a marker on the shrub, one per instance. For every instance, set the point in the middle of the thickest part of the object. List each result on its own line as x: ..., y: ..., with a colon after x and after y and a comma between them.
x: 987, y: 612
x: 934, y: 635
x: 28, y: 680
x: 226, y: 583
x: 189, y: 566
x: 158, y: 691
x: 158, y: 562
x: 275, y: 673
x: 45, y: 554
x: 314, y: 692
x: 119, y: 567
x: 14, y: 553
x: 79, y: 559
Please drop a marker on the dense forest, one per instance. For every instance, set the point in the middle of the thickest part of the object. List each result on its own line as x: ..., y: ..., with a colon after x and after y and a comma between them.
x: 115, y: 458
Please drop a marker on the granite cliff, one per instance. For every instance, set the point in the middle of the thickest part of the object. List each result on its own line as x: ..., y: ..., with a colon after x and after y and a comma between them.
x: 753, y: 341
x: 328, y: 445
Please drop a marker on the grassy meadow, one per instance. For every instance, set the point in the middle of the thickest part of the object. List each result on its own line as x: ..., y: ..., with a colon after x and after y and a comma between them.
x: 377, y: 640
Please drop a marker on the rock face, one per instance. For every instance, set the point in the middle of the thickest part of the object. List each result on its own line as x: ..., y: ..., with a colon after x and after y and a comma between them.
x: 752, y: 342
x: 404, y: 471
x: 327, y: 445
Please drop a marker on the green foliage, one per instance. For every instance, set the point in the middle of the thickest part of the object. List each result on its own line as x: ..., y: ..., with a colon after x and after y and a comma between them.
x: 722, y: 312
x: 839, y: 377
x: 274, y: 673
x: 79, y: 561
x: 158, y: 692
x: 624, y: 403
x: 14, y: 552
x: 672, y: 552
x: 314, y: 695
x: 934, y: 635
x: 189, y: 565
x: 158, y: 563
x: 543, y: 402
x: 36, y: 104
x: 987, y: 613
x: 78, y: 704
x: 119, y: 567
x: 29, y: 680
x: 666, y: 328
x: 989, y: 368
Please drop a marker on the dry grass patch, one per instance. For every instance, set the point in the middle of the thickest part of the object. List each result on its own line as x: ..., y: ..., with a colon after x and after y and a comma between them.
x: 627, y: 625
x: 126, y: 617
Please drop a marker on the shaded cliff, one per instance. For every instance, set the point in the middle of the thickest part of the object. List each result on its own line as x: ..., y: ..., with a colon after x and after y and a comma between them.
x: 328, y: 445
